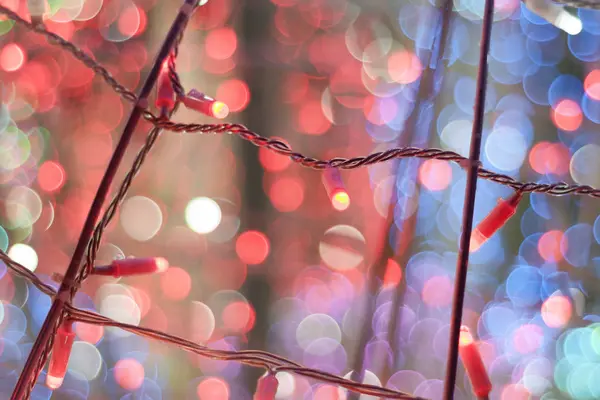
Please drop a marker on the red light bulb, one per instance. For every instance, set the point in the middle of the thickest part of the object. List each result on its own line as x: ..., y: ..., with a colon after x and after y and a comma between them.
x: 133, y: 266
x: 61, y: 350
x: 494, y: 221
x: 336, y: 190
x: 165, y: 95
x: 471, y: 358
x: 206, y: 105
x: 266, y: 387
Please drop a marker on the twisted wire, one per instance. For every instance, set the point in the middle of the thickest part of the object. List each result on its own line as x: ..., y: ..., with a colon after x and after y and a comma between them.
x: 554, y: 189
x: 256, y: 358
x: 250, y: 357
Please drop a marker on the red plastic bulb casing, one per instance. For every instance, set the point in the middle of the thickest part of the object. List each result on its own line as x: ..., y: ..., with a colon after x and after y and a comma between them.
x: 266, y: 388
x: 63, y: 342
x: 471, y: 358
x: 336, y: 190
x: 165, y: 95
x: 205, y: 105
x: 494, y: 221
x: 133, y: 266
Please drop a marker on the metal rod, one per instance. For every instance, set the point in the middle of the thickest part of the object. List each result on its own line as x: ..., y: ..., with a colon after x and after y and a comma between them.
x: 469, y: 203
x: 63, y: 297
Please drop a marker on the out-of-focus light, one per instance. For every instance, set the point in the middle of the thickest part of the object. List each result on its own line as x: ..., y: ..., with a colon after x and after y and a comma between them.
x: 133, y: 266
x: 342, y: 247
x: 141, y: 218
x: 221, y: 43
x: 61, y: 351
x: 176, y: 283
x: 494, y: 221
x: 129, y: 373
x: 212, y: 388
x: 235, y: 93
x: 435, y: 175
x: 471, y: 358
x: 336, y: 190
x: 266, y: 387
x: 200, y: 102
x: 252, y: 247
x: 549, y: 246
x: 567, y: 115
x: 24, y: 255
x: 12, y: 57
x: 557, y: 311
x: 203, y: 215
x: 591, y: 84
x: 51, y: 176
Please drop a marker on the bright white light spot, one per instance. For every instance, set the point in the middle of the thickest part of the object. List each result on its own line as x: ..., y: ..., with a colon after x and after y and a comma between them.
x: 85, y: 359
x: 203, y: 215
x: 287, y: 385
x: 568, y: 23
x: 317, y: 326
x: 342, y: 247
x: 121, y: 308
x: 370, y: 379
x: 24, y: 255
x: 203, y: 322
x: 141, y: 218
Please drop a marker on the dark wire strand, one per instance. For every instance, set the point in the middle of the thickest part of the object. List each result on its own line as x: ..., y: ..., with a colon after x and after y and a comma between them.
x: 554, y: 189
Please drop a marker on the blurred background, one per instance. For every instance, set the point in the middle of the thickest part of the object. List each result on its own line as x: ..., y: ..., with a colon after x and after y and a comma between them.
x: 260, y: 257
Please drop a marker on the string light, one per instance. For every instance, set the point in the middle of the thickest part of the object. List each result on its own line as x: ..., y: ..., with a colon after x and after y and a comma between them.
x: 61, y: 351
x: 556, y: 15
x: 165, y: 95
x: 471, y: 358
x: 336, y: 190
x: 494, y: 221
x: 266, y: 387
x: 64, y: 336
x: 206, y: 105
x: 36, y: 8
x: 132, y: 266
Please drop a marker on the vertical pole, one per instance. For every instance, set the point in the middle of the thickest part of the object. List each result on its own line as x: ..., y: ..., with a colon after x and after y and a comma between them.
x: 469, y: 204
x: 39, y: 351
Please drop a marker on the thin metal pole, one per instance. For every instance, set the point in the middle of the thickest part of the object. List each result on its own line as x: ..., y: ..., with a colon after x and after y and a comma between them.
x: 469, y: 204
x: 30, y: 370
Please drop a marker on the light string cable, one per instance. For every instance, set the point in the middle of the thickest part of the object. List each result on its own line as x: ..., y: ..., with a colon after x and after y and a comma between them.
x: 277, y: 146
x: 255, y: 358
x: 163, y: 121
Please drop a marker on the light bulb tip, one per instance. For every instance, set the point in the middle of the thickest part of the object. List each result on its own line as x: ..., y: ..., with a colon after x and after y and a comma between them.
x: 54, y: 382
x: 340, y: 200
x: 220, y: 110
x: 162, y: 264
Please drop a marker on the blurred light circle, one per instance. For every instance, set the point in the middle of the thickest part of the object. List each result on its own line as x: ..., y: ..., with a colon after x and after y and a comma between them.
x: 203, y: 215
x: 576, y: 243
x: 406, y: 381
x: 342, y: 247
x: 175, y: 283
x: 24, y: 255
x: 66, y: 10
x: 567, y: 115
x: 404, y: 67
x: 523, y: 286
x: 591, y: 84
x: 23, y: 206
x: 317, y: 326
x: 119, y: 21
x: 287, y: 385
x: 557, y: 311
x: 141, y: 218
x: 369, y: 378
x: 213, y: 388
x: 239, y: 317
x: 121, y: 308
x: 235, y: 93
x: 85, y: 360
x: 287, y: 193
x: 435, y: 175
x: 202, y: 322
x: 51, y: 176
x: 129, y: 373
x: 252, y: 247
x: 90, y: 10
x: 3, y: 240
x: 15, y: 148
x: 220, y: 43
x: 12, y: 57
x: 89, y: 333
x: 506, y: 148
x: 585, y: 165
x: 456, y: 136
